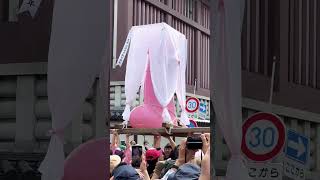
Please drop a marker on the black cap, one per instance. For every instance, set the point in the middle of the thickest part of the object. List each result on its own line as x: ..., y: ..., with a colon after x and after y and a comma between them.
x: 125, y: 172
x: 186, y: 172
x: 168, y: 146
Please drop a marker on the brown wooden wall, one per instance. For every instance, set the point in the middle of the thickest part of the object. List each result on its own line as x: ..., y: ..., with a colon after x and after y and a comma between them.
x: 299, y: 54
x: 26, y: 40
x: 286, y: 32
x: 304, y: 39
x: 190, y: 17
x: 257, y: 37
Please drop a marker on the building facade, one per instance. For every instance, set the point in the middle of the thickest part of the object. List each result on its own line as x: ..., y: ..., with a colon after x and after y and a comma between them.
x: 284, y: 33
x: 190, y: 17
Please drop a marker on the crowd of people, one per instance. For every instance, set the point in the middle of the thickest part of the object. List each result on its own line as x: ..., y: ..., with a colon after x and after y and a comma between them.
x: 172, y: 162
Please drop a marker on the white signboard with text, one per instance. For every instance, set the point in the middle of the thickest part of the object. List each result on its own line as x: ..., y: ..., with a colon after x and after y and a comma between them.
x: 293, y: 169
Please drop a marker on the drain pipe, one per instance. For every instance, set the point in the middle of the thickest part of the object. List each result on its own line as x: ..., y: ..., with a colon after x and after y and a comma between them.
x: 115, y: 29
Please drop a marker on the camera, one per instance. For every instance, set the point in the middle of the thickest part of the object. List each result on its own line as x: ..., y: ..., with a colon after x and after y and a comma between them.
x: 194, y: 142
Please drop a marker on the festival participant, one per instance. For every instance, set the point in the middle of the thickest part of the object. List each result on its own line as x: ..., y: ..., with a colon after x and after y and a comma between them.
x: 115, y: 160
x: 146, y: 145
x: 119, y: 153
x: 115, y: 142
x: 125, y: 172
x: 205, y: 167
x: 205, y: 164
x: 152, y: 157
x: 115, y: 145
x: 132, y: 143
x: 185, y: 155
x: 186, y: 166
x: 143, y: 171
x: 128, y: 151
x: 164, y: 165
x: 169, y: 148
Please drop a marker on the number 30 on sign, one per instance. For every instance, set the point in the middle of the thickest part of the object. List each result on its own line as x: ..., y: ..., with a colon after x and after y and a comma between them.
x: 192, y: 104
x: 263, y: 137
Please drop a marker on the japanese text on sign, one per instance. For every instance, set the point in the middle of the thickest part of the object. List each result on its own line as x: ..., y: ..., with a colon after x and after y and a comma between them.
x: 293, y: 170
x: 266, y: 171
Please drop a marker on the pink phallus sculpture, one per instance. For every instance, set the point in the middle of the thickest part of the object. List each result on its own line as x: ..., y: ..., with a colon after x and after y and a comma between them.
x: 148, y: 115
x: 157, y: 62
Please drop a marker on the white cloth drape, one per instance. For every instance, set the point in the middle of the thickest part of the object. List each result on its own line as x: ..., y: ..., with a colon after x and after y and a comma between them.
x: 164, y: 71
x: 181, y: 85
x: 77, y: 45
x: 226, y: 82
x: 167, y: 52
x: 133, y: 76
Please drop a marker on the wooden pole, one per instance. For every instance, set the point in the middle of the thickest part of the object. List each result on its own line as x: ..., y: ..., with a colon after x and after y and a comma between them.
x: 177, y: 132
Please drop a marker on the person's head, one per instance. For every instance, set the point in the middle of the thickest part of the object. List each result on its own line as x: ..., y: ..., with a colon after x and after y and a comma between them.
x: 152, y: 154
x: 146, y: 143
x: 132, y: 143
x: 152, y: 157
x: 125, y: 172
x: 119, y: 153
x: 167, y: 151
x: 114, y: 162
x: 175, y: 153
x: 187, y: 171
x: 123, y: 147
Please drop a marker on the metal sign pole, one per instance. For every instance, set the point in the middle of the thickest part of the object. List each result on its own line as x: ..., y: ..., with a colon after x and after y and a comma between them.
x: 272, y: 79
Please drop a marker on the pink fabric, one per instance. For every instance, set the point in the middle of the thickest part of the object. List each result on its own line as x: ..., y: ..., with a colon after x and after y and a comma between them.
x: 88, y: 161
x: 127, y: 157
x: 149, y: 114
x: 113, y: 149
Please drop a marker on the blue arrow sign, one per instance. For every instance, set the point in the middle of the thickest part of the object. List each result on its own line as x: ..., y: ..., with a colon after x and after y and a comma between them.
x: 203, y: 108
x: 297, y: 147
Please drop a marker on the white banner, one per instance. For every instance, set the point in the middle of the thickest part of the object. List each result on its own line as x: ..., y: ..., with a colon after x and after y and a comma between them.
x: 124, y: 49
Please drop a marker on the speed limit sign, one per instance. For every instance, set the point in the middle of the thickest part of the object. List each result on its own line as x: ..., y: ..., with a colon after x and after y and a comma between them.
x: 192, y: 104
x: 263, y: 137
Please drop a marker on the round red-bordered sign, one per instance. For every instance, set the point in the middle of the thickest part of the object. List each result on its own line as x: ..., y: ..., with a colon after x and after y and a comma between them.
x: 274, y: 123
x: 192, y: 104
